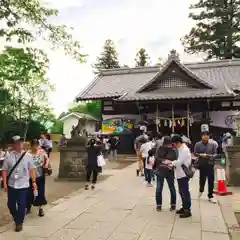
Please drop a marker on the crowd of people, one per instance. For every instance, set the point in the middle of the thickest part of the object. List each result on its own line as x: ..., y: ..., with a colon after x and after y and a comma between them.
x: 162, y: 158
x: 169, y: 158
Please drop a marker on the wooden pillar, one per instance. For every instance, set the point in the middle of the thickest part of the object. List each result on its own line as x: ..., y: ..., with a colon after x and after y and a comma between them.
x: 172, y: 118
x: 188, y: 121
x: 157, y: 117
x: 208, y: 108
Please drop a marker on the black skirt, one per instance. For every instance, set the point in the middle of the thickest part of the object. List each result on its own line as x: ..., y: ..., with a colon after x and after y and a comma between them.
x: 40, y: 199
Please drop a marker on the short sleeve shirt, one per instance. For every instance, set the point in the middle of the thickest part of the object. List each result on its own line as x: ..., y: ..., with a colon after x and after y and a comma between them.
x: 20, y: 176
x: 38, y: 162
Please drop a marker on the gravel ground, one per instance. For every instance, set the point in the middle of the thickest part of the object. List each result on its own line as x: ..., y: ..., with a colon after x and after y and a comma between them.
x: 54, y: 189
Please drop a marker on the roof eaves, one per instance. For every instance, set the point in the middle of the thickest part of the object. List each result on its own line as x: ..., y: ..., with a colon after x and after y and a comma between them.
x: 78, y: 115
x: 193, y: 75
x: 88, y: 88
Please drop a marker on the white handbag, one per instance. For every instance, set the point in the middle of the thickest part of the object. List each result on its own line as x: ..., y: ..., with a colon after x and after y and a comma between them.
x: 101, y: 161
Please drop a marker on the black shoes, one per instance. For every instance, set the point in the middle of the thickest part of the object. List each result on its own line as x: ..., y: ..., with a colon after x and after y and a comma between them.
x: 86, y: 187
x: 93, y: 187
x: 40, y: 212
x: 180, y: 211
x: 159, y: 208
x: 172, y: 208
x: 19, y: 228
x: 186, y: 214
x: 183, y: 213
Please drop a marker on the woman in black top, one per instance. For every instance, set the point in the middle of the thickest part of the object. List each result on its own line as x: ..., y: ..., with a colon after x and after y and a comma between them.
x: 93, y: 151
x: 165, y: 152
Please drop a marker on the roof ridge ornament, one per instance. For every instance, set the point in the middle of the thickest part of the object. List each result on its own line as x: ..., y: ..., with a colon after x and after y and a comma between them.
x: 173, y: 55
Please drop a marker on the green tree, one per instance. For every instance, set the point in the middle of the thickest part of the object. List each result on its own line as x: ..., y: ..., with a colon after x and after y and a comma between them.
x: 217, y: 30
x: 22, y: 78
x: 57, y: 127
x: 142, y: 58
x: 27, y: 20
x: 92, y: 108
x: 108, y: 59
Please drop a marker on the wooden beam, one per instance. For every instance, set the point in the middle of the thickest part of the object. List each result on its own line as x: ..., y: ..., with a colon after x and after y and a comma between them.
x: 188, y: 121
x: 172, y: 118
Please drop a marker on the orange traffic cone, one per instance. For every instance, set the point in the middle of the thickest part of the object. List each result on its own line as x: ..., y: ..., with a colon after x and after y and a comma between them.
x: 221, y: 186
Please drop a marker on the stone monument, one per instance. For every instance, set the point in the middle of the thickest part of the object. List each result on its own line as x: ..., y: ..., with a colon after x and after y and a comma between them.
x: 233, y: 163
x: 73, y: 155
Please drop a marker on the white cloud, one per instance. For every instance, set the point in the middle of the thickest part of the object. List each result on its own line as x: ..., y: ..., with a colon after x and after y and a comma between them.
x: 132, y: 24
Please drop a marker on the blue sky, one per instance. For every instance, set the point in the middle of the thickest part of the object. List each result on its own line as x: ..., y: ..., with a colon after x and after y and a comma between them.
x: 153, y: 24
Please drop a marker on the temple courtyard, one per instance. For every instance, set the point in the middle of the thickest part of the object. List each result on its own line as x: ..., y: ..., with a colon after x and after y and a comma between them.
x: 123, y: 208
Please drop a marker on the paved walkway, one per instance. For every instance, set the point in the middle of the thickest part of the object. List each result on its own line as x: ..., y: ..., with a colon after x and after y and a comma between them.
x: 123, y: 208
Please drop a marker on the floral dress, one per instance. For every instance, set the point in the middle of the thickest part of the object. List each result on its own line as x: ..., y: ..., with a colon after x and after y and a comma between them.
x: 40, y: 199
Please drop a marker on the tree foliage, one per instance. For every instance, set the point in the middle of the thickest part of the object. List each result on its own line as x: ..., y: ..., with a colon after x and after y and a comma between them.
x: 160, y: 62
x: 92, y: 108
x: 57, y: 127
x: 142, y: 58
x: 27, y: 20
x: 25, y: 87
x: 108, y: 59
x: 217, y: 30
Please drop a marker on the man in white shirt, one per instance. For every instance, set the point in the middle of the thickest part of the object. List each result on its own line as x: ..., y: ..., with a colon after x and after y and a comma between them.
x: 18, y: 168
x: 184, y: 158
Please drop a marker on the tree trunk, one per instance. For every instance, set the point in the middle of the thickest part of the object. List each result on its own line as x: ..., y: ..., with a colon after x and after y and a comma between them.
x: 25, y: 130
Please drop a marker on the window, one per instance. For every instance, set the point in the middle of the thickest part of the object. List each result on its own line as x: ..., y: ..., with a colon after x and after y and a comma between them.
x: 173, y: 82
x: 107, y: 103
x: 108, y: 108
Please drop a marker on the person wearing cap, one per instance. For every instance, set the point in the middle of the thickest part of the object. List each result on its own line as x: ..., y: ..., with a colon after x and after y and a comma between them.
x: 206, y: 152
x: 18, y: 168
x: 162, y: 171
x: 184, y: 158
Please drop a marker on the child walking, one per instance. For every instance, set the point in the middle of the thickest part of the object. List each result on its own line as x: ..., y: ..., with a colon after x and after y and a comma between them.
x: 149, y: 167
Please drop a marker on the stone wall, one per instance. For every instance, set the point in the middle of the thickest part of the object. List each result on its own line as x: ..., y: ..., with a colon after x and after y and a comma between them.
x: 233, y: 165
x: 72, y: 163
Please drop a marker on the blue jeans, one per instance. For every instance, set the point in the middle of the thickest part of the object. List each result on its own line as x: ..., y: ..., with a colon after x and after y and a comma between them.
x: 149, y: 176
x: 183, y: 186
x: 17, y: 201
x: 160, y: 182
x: 144, y: 168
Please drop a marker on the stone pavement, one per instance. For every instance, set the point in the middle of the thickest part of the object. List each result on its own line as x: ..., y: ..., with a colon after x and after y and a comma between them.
x: 123, y: 208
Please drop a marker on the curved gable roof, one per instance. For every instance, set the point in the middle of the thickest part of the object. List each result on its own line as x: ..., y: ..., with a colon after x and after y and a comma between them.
x: 221, y: 76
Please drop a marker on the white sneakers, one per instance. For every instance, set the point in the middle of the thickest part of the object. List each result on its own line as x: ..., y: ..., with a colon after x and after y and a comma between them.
x: 211, y: 200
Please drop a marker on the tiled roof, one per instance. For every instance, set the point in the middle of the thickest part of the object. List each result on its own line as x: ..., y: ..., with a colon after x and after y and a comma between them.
x: 181, y: 93
x: 222, y: 76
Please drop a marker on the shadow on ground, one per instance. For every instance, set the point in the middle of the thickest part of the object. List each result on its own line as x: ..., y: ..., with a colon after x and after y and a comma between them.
x: 56, y: 189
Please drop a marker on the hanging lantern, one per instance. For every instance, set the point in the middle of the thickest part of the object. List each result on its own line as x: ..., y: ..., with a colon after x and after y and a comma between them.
x: 183, y: 122
x: 190, y: 122
x: 170, y: 123
x: 174, y: 123
x: 165, y: 123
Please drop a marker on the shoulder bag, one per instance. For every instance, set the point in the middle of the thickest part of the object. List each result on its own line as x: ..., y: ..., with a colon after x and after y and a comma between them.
x: 15, y: 165
x: 189, y: 171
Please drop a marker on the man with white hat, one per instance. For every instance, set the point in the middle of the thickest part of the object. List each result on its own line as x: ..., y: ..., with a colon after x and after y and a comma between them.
x: 18, y: 168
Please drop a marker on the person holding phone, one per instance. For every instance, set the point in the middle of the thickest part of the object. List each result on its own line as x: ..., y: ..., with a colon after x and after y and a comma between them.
x: 206, y: 152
